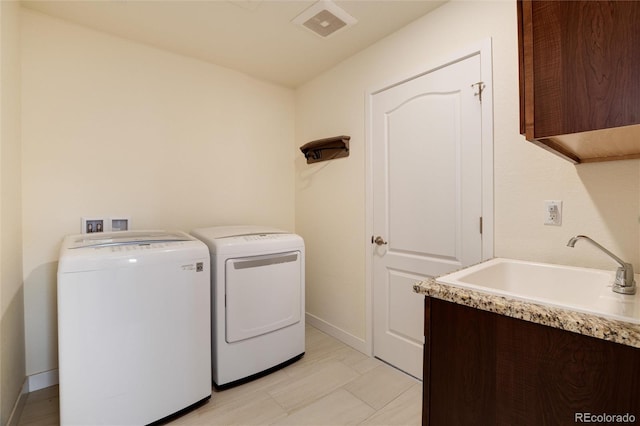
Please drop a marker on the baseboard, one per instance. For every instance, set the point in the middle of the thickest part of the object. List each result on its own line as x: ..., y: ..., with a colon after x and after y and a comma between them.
x: 344, y: 336
x: 14, y: 417
x: 43, y: 380
x: 31, y: 383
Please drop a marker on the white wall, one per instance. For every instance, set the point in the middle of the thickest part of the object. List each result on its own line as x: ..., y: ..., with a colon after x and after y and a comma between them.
x: 600, y: 200
x: 112, y: 127
x: 12, y: 350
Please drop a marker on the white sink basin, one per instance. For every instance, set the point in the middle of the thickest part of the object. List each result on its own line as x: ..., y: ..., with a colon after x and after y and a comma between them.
x: 579, y: 289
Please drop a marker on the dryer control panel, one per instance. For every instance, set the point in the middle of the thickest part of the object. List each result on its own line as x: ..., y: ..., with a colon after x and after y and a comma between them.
x: 260, y: 237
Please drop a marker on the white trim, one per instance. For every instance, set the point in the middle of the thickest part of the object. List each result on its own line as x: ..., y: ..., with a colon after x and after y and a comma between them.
x: 368, y: 223
x: 486, y: 73
x: 485, y: 50
x: 333, y: 331
x: 42, y: 380
x: 479, y: 47
x: 18, y: 407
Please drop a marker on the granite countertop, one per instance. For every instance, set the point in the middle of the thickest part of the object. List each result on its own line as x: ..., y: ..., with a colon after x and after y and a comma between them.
x: 587, y: 324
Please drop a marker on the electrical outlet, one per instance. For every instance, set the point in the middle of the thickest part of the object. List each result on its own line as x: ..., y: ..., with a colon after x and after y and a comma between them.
x: 553, y: 212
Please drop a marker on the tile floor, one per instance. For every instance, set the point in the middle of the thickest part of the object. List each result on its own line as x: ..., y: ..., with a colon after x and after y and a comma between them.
x: 332, y: 384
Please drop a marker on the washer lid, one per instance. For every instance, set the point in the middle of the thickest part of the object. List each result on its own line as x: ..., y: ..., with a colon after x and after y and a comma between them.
x: 124, y: 238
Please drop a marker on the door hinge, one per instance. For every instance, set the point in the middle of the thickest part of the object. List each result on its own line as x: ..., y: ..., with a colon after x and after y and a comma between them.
x: 481, y: 224
x: 481, y: 87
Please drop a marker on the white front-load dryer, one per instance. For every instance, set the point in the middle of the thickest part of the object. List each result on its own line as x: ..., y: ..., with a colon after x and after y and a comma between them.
x: 258, y: 311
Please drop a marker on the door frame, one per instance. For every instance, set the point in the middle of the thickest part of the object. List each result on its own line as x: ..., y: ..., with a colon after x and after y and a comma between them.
x: 484, y: 49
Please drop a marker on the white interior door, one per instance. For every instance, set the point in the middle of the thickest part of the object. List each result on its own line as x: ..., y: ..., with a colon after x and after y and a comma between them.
x: 426, y: 141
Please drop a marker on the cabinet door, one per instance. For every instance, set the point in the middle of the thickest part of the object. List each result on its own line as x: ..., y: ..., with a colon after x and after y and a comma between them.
x: 579, y: 65
x: 460, y: 365
x: 548, y: 376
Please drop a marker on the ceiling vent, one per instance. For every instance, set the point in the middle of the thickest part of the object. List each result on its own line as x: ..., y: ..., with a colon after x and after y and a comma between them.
x: 324, y: 18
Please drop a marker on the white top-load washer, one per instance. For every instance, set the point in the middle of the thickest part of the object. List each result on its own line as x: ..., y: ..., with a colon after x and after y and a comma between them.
x: 134, y: 334
x: 257, y: 278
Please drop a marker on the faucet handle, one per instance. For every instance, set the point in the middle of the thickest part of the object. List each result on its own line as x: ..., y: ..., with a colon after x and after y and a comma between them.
x: 625, y: 282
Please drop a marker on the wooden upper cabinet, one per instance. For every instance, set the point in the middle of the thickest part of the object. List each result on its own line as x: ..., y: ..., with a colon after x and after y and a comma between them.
x: 580, y: 77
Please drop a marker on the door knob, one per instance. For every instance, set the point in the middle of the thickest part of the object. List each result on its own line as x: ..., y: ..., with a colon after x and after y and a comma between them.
x: 378, y: 240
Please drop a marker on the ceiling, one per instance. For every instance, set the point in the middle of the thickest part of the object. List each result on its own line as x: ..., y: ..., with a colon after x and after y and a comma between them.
x: 255, y: 37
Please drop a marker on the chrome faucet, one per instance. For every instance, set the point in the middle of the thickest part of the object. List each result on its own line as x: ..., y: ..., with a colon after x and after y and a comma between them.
x: 625, y: 282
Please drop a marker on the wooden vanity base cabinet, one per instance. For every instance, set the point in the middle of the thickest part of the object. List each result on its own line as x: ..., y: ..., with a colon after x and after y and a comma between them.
x: 482, y: 368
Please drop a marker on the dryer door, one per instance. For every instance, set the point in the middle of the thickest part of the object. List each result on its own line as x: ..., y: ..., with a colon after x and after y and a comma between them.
x: 262, y: 294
